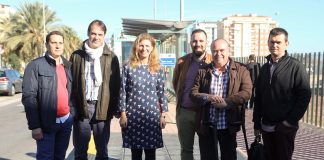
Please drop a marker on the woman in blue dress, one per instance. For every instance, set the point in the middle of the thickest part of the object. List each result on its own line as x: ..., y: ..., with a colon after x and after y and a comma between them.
x: 142, y: 100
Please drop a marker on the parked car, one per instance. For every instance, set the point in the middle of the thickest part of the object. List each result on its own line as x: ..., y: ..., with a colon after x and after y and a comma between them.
x: 10, y: 81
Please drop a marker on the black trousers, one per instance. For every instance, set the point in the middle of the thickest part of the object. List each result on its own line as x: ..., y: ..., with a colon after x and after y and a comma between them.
x: 279, y: 145
x: 149, y: 154
x: 209, y: 145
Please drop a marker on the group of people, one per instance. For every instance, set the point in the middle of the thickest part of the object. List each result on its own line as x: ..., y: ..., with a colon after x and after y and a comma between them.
x: 89, y: 89
x: 212, y: 89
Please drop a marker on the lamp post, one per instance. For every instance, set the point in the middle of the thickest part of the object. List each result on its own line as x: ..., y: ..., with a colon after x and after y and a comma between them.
x: 1, y: 52
x: 181, y: 10
x: 154, y: 9
x: 44, y: 27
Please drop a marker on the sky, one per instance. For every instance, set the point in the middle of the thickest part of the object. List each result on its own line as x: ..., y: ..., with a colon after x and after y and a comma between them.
x: 303, y: 19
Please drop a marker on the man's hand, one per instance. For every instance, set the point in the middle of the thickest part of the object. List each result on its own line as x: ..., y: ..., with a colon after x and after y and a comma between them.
x: 257, y: 132
x: 219, y: 105
x: 162, y: 121
x: 37, y: 134
x: 215, y: 99
x: 123, y: 120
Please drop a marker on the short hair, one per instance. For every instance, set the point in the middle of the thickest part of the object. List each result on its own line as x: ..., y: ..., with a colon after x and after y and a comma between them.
x: 99, y: 23
x: 220, y: 39
x: 48, y: 36
x: 278, y: 31
x: 198, y: 31
x: 252, y: 57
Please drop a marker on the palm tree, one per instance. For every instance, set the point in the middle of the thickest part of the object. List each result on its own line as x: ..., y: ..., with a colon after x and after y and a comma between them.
x: 23, y: 32
x: 71, y: 40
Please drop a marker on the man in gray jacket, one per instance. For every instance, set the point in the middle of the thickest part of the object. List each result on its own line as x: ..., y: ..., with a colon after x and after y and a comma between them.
x: 47, y: 99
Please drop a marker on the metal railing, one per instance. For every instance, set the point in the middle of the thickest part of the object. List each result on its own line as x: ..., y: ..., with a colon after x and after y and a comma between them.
x: 315, y: 69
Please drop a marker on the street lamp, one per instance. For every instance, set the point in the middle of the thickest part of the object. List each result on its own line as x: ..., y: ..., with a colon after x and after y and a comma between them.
x: 44, y: 29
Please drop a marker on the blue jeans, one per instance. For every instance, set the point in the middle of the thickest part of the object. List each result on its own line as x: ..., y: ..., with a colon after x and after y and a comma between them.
x: 55, y: 143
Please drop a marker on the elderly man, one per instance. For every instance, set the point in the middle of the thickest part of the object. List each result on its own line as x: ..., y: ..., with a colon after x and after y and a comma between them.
x: 221, y: 88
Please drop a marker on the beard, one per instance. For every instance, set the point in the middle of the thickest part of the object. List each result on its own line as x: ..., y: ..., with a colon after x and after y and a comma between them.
x: 198, y: 53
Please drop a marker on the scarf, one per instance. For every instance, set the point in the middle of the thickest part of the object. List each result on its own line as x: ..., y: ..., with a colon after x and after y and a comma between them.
x: 95, y: 55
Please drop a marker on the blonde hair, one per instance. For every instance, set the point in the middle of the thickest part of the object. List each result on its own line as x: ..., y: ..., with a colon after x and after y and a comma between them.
x: 153, y: 60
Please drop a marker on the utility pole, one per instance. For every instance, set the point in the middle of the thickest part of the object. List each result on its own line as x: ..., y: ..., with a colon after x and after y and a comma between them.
x: 181, y: 10
x: 154, y: 9
x: 1, y: 52
x: 44, y: 27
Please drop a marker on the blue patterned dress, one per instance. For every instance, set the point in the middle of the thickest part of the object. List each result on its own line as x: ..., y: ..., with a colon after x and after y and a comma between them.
x: 140, y: 96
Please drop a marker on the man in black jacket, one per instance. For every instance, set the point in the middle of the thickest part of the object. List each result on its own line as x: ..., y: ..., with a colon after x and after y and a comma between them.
x: 254, y: 68
x: 282, y: 97
x: 96, y: 84
x: 47, y: 100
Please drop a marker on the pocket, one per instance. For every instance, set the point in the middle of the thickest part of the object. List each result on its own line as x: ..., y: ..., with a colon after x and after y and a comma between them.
x: 281, y: 128
x: 46, y: 79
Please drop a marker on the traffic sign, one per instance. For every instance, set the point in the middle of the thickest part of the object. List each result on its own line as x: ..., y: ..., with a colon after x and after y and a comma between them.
x: 167, y: 59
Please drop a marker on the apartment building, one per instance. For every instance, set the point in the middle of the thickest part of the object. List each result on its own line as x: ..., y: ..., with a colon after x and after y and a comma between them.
x: 247, y: 34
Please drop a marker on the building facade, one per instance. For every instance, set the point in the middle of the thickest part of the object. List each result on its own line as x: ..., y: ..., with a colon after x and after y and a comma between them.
x: 247, y: 34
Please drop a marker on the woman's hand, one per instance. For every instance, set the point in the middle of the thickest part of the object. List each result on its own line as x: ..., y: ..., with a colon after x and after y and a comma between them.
x: 162, y: 121
x: 123, y: 120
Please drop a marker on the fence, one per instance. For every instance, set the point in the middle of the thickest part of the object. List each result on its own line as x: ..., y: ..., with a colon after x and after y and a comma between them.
x: 315, y: 69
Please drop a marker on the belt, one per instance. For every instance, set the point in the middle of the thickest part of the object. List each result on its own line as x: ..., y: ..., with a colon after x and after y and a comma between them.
x: 194, y: 109
x: 92, y: 102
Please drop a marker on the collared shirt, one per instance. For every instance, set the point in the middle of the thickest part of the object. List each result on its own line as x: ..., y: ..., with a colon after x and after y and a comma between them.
x: 273, y: 66
x: 91, y: 90
x: 62, y: 119
x: 60, y: 61
x: 218, y: 86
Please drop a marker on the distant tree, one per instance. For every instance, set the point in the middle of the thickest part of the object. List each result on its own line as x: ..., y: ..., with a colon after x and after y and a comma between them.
x: 14, y: 61
x: 23, y: 32
x: 71, y: 40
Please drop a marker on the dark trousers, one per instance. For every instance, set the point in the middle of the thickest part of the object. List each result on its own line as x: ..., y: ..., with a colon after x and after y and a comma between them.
x: 251, y: 101
x: 55, y: 143
x: 82, y: 134
x: 149, y: 154
x: 209, y: 144
x: 279, y: 145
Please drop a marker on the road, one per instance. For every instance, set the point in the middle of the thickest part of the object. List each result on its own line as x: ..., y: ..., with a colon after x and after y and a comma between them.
x: 16, y: 142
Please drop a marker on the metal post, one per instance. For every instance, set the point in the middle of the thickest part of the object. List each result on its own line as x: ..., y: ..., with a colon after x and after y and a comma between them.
x: 44, y: 27
x: 181, y: 10
x: 154, y: 9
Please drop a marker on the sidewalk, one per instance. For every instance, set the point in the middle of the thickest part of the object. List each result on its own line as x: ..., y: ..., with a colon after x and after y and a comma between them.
x: 309, y: 144
x: 170, y: 151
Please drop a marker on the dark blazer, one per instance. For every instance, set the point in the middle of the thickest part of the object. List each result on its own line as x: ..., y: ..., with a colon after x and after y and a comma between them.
x: 286, y: 97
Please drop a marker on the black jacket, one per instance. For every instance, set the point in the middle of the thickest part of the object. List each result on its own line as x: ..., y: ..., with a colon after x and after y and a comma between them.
x: 39, y: 95
x: 286, y: 97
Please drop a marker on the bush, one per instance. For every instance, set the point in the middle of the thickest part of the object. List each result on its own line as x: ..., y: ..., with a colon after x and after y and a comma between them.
x: 14, y: 61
